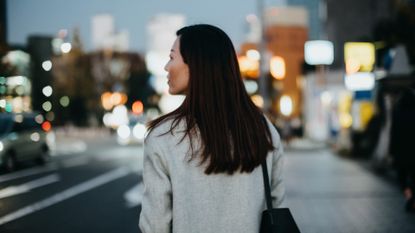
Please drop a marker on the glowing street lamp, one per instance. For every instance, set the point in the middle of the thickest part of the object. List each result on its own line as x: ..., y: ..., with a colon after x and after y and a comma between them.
x: 277, y: 67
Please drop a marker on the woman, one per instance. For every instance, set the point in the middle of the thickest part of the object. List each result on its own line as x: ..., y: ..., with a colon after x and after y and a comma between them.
x: 202, y: 161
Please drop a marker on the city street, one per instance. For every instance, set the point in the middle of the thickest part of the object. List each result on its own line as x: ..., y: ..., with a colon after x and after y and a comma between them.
x: 81, y: 87
x: 94, y: 185
x: 85, y: 188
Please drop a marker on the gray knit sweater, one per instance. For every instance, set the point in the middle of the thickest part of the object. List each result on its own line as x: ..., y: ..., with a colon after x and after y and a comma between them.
x: 179, y: 197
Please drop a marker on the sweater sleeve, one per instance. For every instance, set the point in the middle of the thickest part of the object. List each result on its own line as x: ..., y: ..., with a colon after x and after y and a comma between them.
x: 277, y: 185
x: 156, y: 207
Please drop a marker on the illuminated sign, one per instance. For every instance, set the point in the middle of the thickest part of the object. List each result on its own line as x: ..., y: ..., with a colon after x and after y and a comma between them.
x: 359, y: 57
x: 360, y: 81
x: 319, y: 52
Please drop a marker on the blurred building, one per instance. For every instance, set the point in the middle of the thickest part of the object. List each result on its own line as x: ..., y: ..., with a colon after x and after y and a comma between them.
x: 3, y: 27
x: 161, y: 33
x: 372, y: 72
x: 316, y: 16
x: 286, y: 31
x: 352, y: 21
x: 40, y: 49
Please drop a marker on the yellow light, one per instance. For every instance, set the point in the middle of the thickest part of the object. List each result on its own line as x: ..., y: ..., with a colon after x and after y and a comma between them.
x: 361, y: 53
x: 249, y: 67
x: 277, y: 67
x: 366, y: 112
x: 345, y: 120
x: 258, y: 100
x: 345, y: 103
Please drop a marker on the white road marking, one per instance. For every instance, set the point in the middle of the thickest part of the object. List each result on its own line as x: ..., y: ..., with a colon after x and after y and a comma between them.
x: 134, y: 196
x: 66, y: 194
x: 28, y: 172
x: 23, y: 188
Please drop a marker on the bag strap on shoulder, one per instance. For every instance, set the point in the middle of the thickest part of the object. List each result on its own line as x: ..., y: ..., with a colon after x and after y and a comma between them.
x: 266, y: 185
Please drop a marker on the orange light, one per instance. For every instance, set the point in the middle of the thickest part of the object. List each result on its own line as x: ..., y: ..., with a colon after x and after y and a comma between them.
x: 277, y: 67
x: 124, y: 98
x: 116, y: 98
x: 106, y: 100
x: 46, y: 126
x: 138, y: 107
x: 249, y: 67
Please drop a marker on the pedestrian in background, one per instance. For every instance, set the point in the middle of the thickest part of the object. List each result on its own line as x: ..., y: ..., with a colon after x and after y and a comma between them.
x: 202, y: 162
x: 402, y: 144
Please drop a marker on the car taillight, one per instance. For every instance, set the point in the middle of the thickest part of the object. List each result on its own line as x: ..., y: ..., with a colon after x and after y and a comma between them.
x: 46, y: 126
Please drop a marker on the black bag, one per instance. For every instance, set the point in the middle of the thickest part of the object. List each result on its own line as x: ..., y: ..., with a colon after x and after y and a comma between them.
x: 275, y: 220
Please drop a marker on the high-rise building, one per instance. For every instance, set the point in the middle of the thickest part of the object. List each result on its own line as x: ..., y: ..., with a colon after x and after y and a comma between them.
x: 3, y: 27
x: 316, y: 16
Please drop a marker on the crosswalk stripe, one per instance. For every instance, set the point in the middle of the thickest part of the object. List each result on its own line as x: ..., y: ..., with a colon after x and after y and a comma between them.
x: 134, y: 196
x: 23, y: 188
x: 28, y: 172
x: 66, y: 194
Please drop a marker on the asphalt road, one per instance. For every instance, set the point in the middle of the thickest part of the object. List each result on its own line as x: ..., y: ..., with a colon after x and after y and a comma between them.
x: 95, y: 189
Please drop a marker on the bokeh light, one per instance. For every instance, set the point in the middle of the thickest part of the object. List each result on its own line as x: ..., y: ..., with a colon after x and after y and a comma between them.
x: 47, y: 91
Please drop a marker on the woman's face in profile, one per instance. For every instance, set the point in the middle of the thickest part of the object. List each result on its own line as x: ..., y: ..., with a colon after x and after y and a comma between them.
x: 178, y: 71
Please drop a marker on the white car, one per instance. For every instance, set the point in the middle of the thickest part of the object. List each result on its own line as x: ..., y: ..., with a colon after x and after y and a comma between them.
x: 22, y: 138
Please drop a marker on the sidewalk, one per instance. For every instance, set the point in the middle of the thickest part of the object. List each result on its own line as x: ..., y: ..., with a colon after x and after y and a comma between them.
x: 330, y: 194
x: 304, y: 144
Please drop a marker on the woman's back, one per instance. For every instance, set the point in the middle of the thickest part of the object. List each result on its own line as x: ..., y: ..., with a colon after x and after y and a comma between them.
x: 180, y: 195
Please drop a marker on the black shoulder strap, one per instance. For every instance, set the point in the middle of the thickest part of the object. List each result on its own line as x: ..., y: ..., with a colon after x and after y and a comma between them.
x: 266, y: 184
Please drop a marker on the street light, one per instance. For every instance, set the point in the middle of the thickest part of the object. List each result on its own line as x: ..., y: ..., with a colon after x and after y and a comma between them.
x: 277, y: 67
x: 263, y: 82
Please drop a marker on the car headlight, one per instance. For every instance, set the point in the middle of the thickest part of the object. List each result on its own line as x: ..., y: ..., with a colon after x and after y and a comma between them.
x: 139, y: 131
x: 123, y: 131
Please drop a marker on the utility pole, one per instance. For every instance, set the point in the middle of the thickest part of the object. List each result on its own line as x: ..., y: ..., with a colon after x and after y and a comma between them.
x: 263, y: 77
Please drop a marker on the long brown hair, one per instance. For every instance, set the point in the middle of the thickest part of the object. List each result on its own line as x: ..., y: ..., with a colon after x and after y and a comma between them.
x: 233, y: 131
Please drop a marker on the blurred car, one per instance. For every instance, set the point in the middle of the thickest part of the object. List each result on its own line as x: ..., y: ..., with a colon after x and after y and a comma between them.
x: 23, y: 137
x: 131, y: 133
